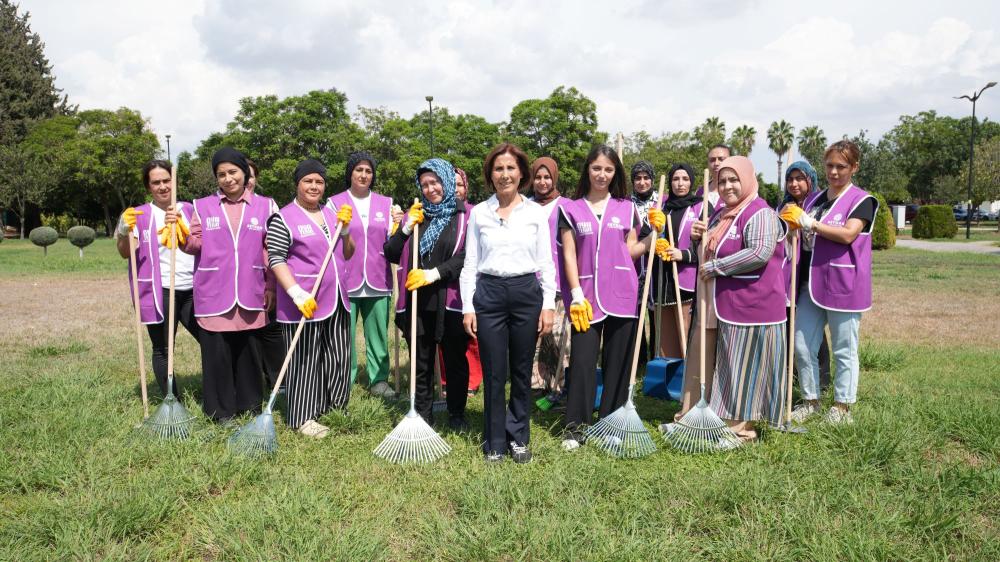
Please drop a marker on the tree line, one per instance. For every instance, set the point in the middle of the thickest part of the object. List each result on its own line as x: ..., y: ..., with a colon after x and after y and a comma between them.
x: 57, y: 160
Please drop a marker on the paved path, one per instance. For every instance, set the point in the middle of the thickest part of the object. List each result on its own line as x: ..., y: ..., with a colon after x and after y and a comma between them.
x: 977, y: 247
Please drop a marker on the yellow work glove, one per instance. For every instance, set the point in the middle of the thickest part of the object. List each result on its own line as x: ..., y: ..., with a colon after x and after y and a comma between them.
x: 344, y: 215
x: 580, y: 311
x: 128, y: 220
x: 414, y: 216
x: 795, y: 217
x: 303, y: 300
x: 656, y: 219
x: 663, y: 249
x: 182, y: 234
x: 417, y: 278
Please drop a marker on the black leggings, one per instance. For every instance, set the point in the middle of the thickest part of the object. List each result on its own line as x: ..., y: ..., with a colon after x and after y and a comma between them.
x: 184, y: 303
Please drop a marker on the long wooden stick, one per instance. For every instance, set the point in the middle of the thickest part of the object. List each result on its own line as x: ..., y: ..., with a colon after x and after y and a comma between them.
x: 392, y: 326
x: 702, y: 301
x: 173, y: 275
x: 415, y: 263
x: 132, y: 246
x: 645, y: 289
x: 681, y: 331
x: 791, y: 320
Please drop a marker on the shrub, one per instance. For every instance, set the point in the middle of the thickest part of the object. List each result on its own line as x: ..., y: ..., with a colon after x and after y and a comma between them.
x: 883, y: 231
x: 43, y: 236
x: 61, y: 223
x: 81, y: 237
x: 934, y: 221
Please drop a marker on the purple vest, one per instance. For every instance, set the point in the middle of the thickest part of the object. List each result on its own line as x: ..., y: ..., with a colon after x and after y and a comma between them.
x: 147, y: 261
x: 305, y: 256
x: 753, y: 297
x: 687, y: 273
x: 453, y: 296
x: 840, y: 275
x: 607, y: 272
x: 230, y: 268
x: 557, y: 258
x: 368, y: 262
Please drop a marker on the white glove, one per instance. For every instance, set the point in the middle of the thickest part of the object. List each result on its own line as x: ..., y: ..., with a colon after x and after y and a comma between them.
x: 576, y: 296
x: 807, y: 221
x: 298, y: 294
x: 123, y: 230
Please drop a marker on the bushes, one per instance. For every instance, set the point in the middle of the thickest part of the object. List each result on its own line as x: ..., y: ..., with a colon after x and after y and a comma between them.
x: 61, y: 223
x: 43, y: 236
x: 81, y: 236
x: 883, y: 231
x: 934, y: 221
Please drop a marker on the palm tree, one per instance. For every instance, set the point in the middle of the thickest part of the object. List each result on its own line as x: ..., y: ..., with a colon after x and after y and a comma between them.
x: 711, y: 132
x: 780, y: 136
x: 812, y: 143
x: 742, y: 139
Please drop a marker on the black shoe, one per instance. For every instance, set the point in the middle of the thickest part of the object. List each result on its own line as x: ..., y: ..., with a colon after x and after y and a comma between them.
x: 458, y: 424
x: 383, y: 390
x: 493, y: 457
x: 519, y: 453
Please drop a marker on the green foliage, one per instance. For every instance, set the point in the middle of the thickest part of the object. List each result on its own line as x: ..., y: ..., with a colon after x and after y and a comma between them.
x: 43, y: 236
x: 812, y: 145
x: 62, y: 223
x: 934, y: 221
x: 27, y: 90
x: 81, y: 236
x: 880, y: 171
x: 743, y: 139
x: 26, y: 179
x: 986, y: 173
x: 770, y: 192
x: 883, y: 231
x: 780, y: 136
x: 711, y: 132
x: 874, y: 356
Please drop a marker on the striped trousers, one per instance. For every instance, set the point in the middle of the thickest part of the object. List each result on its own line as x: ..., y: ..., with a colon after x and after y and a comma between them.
x: 750, y: 373
x: 319, y: 374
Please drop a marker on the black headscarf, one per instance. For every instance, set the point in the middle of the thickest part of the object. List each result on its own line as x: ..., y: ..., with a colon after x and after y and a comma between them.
x: 355, y: 158
x: 234, y: 157
x: 309, y: 166
x: 642, y: 166
x: 675, y: 201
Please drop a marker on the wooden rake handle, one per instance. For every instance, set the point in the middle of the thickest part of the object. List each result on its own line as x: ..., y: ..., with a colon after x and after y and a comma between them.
x: 132, y: 247
x: 793, y: 293
x: 677, y: 294
x: 645, y: 288
x: 703, y: 286
x: 171, y: 330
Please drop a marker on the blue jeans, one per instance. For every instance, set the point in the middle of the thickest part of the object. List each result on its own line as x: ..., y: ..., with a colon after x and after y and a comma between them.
x: 810, y: 321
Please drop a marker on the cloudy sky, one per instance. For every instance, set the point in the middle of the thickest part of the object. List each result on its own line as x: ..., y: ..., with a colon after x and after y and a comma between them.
x: 653, y: 65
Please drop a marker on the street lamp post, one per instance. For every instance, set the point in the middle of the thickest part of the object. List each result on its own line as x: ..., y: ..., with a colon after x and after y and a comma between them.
x: 430, y: 119
x: 972, y: 152
x: 168, y: 148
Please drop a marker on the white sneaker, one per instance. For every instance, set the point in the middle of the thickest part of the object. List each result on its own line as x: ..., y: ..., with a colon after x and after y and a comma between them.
x: 803, y: 411
x: 668, y: 428
x: 570, y: 444
x: 728, y: 443
x: 314, y: 429
x: 838, y: 416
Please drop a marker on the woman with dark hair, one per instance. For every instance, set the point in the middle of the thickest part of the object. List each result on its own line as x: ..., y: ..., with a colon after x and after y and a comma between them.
x: 599, y: 232
x: 152, y: 260
x: 233, y: 288
x: 508, y: 296
x: 837, y: 285
x: 442, y: 244
x: 744, y: 283
x: 298, y: 239
x: 369, y: 276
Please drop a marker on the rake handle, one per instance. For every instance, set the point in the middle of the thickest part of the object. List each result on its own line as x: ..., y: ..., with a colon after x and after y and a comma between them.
x: 645, y: 291
x: 677, y: 294
x: 132, y: 248
x: 171, y: 329
x: 702, y: 304
x: 302, y: 321
x: 793, y: 294
x: 395, y: 330
x: 415, y: 263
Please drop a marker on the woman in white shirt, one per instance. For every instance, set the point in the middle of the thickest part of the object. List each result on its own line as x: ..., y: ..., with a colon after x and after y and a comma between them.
x: 508, y: 295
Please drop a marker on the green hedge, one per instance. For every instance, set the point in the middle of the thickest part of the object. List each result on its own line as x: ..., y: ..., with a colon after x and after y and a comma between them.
x: 43, y: 236
x: 935, y: 221
x: 884, y: 231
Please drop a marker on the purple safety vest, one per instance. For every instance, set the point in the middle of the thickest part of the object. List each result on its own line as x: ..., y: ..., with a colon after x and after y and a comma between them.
x: 230, y: 268
x: 687, y: 273
x: 557, y: 258
x: 305, y: 256
x: 840, y: 275
x: 368, y: 264
x: 147, y: 262
x: 753, y: 297
x: 606, y: 271
x: 453, y: 296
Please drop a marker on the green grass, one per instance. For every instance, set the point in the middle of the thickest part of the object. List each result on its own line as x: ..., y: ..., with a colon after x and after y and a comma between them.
x: 22, y: 257
x: 987, y: 233
x: 917, y: 477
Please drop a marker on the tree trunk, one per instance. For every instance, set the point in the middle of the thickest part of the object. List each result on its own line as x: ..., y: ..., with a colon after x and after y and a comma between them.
x: 781, y: 187
x: 23, y: 205
x: 107, y: 218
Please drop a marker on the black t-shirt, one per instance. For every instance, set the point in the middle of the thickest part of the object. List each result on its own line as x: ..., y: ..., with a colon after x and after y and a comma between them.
x: 865, y: 212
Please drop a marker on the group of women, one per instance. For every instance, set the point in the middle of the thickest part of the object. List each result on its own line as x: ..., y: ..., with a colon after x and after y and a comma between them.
x: 508, y: 277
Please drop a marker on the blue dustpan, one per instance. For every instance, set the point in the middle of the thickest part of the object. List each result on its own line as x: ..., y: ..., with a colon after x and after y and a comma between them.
x: 664, y: 378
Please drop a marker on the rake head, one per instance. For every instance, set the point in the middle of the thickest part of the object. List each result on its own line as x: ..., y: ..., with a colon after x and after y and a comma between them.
x: 171, y: 420
x: 622, y: 434
x: 701, y: 431
x: 256, y: 438
x: 412, y: 441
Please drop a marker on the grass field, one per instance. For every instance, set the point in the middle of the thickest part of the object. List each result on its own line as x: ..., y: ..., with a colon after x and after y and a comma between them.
x: 917, y: 477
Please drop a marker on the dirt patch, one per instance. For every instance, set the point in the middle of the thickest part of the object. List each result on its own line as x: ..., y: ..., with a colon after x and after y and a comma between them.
x: 913, y: 316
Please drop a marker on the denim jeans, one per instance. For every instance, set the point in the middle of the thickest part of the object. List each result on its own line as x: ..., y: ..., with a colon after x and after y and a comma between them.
x: 810, y: 321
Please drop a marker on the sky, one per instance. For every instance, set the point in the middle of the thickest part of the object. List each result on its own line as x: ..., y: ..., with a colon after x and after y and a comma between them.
x: 657, y: 66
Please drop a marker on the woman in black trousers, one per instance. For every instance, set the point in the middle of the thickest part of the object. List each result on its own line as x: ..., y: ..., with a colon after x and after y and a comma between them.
x: 508, y: 296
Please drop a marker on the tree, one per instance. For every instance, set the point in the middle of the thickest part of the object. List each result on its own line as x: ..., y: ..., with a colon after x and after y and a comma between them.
x: 743, y: 139
x: 711, y: 132
x: 25, y: 179
x: 27, y: 90
x: 563, y: 126
x: 779, y: 138
x: 812, y: 145
x: 880, y: 169
x: 986, y: 174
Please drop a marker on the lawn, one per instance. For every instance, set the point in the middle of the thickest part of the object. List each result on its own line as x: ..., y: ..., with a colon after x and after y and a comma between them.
x: 917, y: 477
x: 976, y: 234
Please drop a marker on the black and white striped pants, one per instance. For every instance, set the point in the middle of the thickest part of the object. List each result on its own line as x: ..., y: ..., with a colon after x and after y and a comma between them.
x: 319, y: 374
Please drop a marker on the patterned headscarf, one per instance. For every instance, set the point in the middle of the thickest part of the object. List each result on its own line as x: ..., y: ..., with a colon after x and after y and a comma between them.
x: 440, y: 213
x: 643, y: 201
x: 807, y: 169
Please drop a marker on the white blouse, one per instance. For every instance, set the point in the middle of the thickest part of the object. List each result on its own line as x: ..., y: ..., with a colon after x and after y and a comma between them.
x: 516, y: 246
